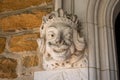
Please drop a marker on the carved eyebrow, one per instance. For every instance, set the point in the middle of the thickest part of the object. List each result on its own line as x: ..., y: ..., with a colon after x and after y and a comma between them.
x: 52, y: 26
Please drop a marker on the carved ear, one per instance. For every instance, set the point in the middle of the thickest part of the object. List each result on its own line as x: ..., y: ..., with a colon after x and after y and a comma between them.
x: 74, y: 17
x: 41, y: 45
x: 78, y: 41
x: 60, y: 12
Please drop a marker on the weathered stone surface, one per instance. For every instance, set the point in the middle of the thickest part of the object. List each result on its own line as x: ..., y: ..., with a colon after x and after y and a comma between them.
x: 2, y: 44
x: 8, y: 5
x: 26, y: 42
x: 62, y: 74
x: 22, y: 21
x: 8, y: 68
x: 30, y: 61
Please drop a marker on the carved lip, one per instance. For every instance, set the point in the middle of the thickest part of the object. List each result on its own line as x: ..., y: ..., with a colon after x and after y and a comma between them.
x: 60, y: 50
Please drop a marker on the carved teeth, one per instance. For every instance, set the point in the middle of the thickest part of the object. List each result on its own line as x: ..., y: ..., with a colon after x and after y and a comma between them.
x: 60, y: 50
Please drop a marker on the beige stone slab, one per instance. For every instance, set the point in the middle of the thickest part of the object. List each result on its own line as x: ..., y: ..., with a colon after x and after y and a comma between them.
x: 63, y: 74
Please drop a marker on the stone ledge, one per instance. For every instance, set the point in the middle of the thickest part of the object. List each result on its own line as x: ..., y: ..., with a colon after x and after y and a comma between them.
x: 62, y: 74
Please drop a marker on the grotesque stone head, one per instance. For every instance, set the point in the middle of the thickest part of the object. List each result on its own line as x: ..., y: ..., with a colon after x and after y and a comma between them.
x: 60, y: 42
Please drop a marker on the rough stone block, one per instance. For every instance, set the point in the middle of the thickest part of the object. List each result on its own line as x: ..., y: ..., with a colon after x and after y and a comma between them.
x: 8, y: 68
x: 30, y: 61
x: 2, y: 44
x: 22, y: 21
x: 8, y: 5
x: 26, y: 42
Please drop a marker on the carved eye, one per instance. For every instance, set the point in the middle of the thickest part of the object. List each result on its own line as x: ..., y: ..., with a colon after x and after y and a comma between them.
x: 51, y: 35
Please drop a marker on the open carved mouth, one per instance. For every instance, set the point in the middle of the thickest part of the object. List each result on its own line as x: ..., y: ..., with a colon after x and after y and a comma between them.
x: 61, y: 49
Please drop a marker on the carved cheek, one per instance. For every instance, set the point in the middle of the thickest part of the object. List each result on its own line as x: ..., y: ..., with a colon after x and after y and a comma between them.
x: 68, y: 34
x: 68, y: 38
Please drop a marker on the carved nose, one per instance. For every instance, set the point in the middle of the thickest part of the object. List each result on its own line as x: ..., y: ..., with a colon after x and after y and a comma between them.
x: 59, y: 40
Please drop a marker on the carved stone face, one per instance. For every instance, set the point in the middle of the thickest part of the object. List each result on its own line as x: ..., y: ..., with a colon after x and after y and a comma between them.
x: 59, y: 40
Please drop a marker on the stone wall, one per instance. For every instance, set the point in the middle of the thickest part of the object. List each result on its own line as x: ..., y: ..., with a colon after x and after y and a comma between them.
x: 19, y: 28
